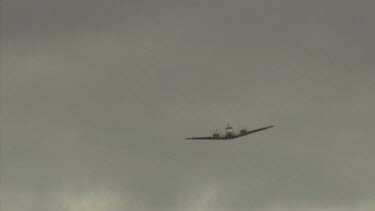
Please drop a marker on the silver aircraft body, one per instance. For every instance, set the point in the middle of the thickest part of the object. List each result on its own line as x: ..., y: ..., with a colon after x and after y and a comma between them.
x: 229, y: 134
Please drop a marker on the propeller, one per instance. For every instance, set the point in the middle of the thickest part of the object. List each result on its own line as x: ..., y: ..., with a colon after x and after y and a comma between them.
x: 212, y: 131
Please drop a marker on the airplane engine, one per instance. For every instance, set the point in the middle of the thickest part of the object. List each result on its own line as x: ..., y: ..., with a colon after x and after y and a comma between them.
x: 216, y: 135
x: 243, y: 131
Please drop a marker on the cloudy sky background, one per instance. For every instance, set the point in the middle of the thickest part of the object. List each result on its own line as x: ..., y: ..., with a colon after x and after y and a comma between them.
x: 97, y: 97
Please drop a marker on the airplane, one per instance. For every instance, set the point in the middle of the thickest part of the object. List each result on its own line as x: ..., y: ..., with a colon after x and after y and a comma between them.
x: 229, y: 134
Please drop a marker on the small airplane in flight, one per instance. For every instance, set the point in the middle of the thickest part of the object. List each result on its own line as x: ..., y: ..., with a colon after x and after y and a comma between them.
x: 229, y: 134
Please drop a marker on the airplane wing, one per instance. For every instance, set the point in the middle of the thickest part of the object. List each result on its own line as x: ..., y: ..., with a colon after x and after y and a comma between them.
x: 203, y: 138
x: 229, y: 137
x: 253, y: 131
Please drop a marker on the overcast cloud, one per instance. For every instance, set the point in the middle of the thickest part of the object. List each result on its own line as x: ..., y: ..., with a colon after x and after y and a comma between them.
x: 98, y: 96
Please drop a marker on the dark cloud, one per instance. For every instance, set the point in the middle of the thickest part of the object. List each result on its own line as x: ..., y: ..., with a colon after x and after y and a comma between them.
x: 98, y: 96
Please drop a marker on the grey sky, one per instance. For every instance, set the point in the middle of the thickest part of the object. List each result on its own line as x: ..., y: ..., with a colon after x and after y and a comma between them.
x: 97, y: 97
